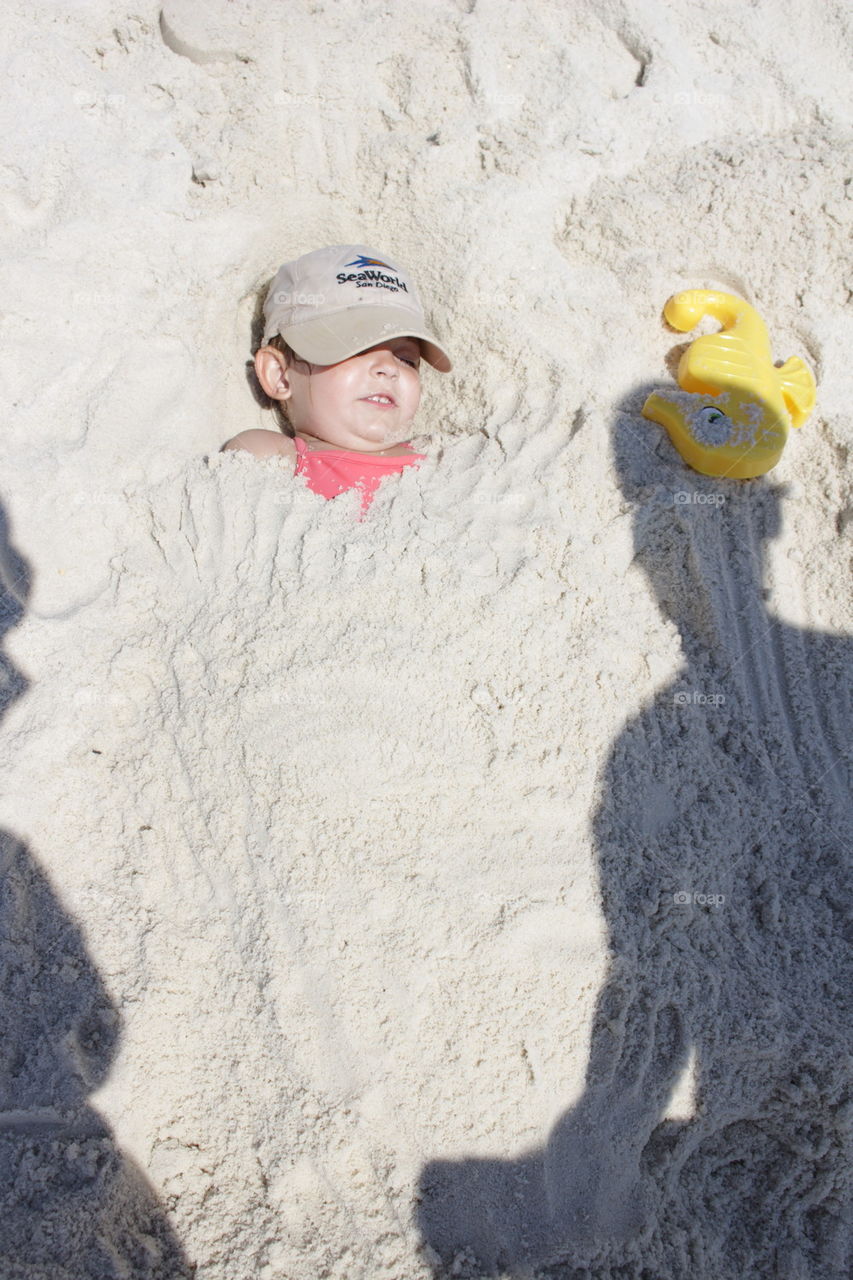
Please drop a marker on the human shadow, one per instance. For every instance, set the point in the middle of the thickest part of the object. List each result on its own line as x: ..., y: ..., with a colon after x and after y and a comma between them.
x: 72, y: 1207
x: 14, y: 593
x: 721, y: 837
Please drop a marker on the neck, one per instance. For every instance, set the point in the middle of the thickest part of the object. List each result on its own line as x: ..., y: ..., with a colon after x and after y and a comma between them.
x: 317, y: 445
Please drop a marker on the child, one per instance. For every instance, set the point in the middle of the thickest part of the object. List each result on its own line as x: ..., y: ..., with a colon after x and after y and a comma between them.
x: 343, y: 336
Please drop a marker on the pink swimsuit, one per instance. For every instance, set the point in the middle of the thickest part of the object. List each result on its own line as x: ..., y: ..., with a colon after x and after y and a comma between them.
x: 332, y: 471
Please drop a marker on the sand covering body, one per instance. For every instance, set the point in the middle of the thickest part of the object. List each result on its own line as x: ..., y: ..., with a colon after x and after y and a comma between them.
x: 461, y: 887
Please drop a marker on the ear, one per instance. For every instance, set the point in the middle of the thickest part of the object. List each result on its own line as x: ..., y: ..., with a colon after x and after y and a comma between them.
x: 271, y: 368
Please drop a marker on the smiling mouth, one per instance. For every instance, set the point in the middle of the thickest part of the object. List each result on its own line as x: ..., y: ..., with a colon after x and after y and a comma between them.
x: 380, y: 399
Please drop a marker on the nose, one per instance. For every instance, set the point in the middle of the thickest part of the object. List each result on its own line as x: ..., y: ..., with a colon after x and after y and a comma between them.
x: 382, y: 361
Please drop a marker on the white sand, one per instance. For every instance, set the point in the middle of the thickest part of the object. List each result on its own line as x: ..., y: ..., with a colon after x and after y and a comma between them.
x: 339, y: 907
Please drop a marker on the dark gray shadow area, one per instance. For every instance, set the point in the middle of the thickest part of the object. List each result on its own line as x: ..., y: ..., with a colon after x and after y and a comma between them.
x: 723, y: 838
x: 72, y: 1207
x: 14, y: 593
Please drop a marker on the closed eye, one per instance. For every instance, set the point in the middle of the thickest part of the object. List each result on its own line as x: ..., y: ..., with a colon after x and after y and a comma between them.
x: 409, y: 353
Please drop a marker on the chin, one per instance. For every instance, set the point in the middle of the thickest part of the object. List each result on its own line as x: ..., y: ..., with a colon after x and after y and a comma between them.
x: 385, y: 439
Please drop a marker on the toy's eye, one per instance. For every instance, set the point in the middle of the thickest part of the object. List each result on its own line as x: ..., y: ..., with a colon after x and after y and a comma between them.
x: 711, y: 426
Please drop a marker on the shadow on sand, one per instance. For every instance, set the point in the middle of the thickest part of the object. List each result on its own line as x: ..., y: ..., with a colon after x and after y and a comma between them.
x: 721, y: 836
x: 72, y: 1207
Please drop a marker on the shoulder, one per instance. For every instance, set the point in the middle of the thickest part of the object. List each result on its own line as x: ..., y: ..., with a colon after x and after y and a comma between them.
x: 263, y: 444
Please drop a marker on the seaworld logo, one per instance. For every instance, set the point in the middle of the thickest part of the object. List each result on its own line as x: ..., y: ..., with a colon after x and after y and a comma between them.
x: 364, y: 276
x: 361, y: 261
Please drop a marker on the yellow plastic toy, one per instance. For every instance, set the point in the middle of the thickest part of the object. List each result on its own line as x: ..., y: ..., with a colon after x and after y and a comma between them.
x: 735, y: 410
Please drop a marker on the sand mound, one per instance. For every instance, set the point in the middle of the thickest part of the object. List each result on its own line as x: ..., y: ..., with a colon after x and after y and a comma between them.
x: 460, y: 891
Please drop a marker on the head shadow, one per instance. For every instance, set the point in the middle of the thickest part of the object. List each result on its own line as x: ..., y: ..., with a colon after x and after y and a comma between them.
x: 679, y: 517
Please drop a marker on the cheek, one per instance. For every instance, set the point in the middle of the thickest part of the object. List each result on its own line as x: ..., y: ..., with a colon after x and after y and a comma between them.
x: 324, y: 397
x: 346, y: 389
x: 415, y: 395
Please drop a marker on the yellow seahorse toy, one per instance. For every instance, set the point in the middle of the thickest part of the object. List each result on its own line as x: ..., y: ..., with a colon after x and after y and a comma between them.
x: 735, y: 410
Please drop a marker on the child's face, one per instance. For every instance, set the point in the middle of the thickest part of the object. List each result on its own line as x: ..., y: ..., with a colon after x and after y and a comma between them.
x: 333, y: 402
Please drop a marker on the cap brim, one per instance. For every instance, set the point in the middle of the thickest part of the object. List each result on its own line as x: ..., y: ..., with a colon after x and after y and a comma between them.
x: 330, y: 339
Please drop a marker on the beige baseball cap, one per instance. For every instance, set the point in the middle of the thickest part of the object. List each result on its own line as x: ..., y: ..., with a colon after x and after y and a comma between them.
x: 330, y: 304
